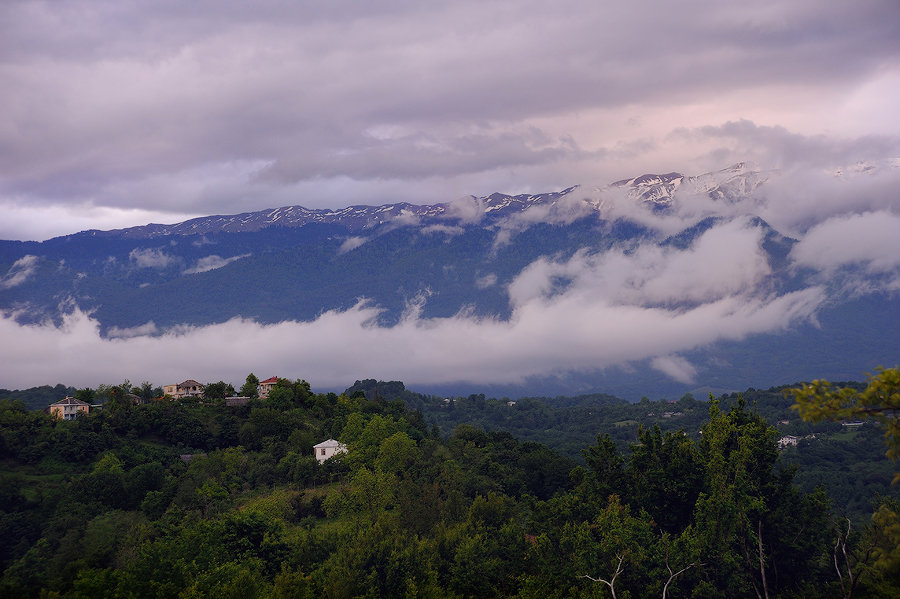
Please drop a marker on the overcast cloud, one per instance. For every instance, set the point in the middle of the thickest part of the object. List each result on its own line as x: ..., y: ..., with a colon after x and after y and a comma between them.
x: 120, y: 114
x: 163, y: 111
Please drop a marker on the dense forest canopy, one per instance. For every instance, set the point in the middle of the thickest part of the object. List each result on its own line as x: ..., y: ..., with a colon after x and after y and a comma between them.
x: 441, y: 497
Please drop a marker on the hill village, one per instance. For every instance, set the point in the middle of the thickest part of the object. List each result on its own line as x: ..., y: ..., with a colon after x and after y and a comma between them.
x: 69, y: 408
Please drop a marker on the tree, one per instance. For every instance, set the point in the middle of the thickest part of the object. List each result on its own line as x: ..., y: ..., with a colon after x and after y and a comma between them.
x: 607, y: 466
x: 879, y: 401
x: 148, y: 391
x: 86, y: 395
x: 665, y: 473
x: 750, y: 519
x: 219, y: 390
x: 251, y: 387
x: 615, y: 542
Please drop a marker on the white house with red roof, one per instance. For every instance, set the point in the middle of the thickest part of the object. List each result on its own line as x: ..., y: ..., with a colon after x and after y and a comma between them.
x: 265, y: 386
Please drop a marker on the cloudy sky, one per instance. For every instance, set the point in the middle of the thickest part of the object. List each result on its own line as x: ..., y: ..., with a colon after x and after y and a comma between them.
x: 123, y: 113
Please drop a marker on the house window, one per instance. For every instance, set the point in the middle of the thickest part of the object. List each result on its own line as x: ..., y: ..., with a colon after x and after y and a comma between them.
x: 323, y: 451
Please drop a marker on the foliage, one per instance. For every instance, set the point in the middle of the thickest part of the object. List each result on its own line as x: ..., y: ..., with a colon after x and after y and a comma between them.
x: 879, y: 401
x: 199, y: 499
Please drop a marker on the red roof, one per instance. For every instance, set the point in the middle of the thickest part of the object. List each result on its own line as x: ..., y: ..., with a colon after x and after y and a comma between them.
x: 269, y: 381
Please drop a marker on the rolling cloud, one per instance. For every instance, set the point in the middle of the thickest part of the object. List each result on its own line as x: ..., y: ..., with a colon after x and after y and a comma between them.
x: 19, y: 272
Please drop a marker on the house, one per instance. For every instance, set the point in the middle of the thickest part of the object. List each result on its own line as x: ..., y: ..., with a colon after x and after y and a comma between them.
x: 327, y: 449
x: 68, y: 408
x: 788, y: 441
x: 265, y: 386
x: 135, y: 400
x: 189, y: 388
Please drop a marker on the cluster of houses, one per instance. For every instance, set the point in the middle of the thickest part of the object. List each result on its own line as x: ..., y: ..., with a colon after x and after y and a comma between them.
x: 191, y: 388
x: 68, y: 408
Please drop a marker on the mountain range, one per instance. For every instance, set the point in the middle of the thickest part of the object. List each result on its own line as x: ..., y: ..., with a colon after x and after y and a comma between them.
x: 668, y: 246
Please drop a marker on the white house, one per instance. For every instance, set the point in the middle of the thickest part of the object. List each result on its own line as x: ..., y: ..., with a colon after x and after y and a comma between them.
x: 327, y: 449
x: 788, y: 441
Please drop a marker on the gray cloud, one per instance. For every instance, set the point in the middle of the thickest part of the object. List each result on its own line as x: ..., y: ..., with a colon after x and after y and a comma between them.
x: 351, y: 243
x: 335, y: 347
x: 212, y: 262
x: 732, y: 264
x: 675, y: 367
x: 151, y: 258
x: 869, y: 239
x: 19, y: 272
x: 777, y: 147
x: 148, y: 328
x: 115, y: 114
x: 217, y: 106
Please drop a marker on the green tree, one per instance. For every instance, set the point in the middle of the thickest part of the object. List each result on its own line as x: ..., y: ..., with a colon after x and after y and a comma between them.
x: 665, y: 474
x: 250, y: 388
x: 607, y: 466
x: 879, y: 401
x: 219, y: 390
x: 616, y: 544
x: 751, y: 521
x: 86, y: 395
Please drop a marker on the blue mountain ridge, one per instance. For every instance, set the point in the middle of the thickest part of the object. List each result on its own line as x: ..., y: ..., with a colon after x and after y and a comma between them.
x: 293, y: 263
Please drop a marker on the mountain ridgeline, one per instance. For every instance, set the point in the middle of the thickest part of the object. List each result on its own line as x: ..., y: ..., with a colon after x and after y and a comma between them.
x: 294, y: 263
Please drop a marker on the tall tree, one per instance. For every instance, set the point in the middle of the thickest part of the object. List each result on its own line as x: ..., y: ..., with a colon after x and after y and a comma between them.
x: 250, y: 388
x: 763, y: 535
x: 665, y: 474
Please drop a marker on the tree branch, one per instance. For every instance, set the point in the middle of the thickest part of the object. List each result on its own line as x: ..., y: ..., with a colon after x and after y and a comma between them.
x: 611, y: 581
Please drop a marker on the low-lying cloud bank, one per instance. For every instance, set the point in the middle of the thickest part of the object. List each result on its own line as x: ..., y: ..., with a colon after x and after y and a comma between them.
x: 589, y: 312
x: 544, y: 337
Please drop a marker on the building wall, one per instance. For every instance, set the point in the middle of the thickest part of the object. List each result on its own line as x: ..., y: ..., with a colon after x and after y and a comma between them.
x: 323, y: 453
x: 67, y: 412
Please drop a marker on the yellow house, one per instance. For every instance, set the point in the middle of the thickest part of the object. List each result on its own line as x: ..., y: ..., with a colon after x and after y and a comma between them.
x: 189, y: 388
x: 68, y: 408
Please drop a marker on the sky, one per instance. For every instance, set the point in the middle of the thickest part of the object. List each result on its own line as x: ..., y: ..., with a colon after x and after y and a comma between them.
x: 120, y: 114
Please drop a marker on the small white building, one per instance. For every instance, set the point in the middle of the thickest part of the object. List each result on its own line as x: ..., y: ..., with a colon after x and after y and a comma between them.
x: 327, y: 449
x: 788, y: 441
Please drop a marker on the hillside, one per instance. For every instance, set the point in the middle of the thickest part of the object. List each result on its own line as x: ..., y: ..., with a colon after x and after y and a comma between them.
x: 194, y: 498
